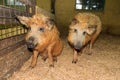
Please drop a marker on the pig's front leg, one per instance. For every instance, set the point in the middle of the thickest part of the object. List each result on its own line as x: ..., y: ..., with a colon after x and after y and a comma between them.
x: 34, y: 58
x: 50, y: 56
x: 75, y: 56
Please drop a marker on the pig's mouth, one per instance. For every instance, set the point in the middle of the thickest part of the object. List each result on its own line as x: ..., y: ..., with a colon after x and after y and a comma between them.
x: 31, y: 45
x: 77, y: 49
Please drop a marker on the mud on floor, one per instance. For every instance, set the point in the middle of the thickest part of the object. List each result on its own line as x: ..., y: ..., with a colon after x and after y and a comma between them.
x: 103, y: 64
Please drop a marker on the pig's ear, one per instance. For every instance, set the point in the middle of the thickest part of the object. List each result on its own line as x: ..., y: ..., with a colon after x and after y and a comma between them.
x: 50, y: 23
x: 23, y: 20
x: 91, y: 29
x: 74, y: 21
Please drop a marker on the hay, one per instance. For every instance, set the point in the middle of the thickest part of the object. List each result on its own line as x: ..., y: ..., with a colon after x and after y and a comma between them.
x: 103, y: 64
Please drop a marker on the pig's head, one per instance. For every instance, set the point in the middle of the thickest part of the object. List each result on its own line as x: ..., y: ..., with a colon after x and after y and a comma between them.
x: 80, y: 33
x: 38, y: 27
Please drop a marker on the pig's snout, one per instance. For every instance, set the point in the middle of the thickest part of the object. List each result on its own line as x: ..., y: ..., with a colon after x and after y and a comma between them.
x: 30, y: 42
x: 30, y: 45
x: 78, y: 46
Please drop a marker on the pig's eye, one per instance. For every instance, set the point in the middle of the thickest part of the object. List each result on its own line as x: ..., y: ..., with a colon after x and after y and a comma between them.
x: 41, y: 29
x: 75, y: 30
x: 84, y: 33
x: 29, y: 28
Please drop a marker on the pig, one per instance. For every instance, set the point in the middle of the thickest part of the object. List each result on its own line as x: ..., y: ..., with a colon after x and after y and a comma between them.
x: 83, y: 30
x: 43, y: 38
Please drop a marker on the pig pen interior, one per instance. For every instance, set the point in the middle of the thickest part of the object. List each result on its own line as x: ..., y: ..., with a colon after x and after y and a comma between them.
x: 15, y: 58
x: 103, y: 64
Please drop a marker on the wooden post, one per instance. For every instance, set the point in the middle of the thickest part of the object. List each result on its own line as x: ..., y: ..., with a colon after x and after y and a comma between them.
x: 53, y: 6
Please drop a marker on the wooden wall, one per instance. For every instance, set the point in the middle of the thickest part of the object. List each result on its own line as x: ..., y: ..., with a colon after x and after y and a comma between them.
x: 65, y: 11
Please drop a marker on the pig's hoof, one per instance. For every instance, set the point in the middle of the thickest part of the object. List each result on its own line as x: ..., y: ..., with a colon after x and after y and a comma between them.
x: 44, y: 59
x: 31, y: 67
x: 51, y: 65
x: 74, y: 62
x: 89, y: 53
x: 55, y: 59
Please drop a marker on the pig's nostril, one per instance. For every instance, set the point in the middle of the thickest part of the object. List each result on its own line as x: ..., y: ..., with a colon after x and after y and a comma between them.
x: 31, y: 38
x: 77, y: 46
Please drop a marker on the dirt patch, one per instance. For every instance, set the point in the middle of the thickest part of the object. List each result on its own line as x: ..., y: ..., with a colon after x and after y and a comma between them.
x: 103, y: 64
